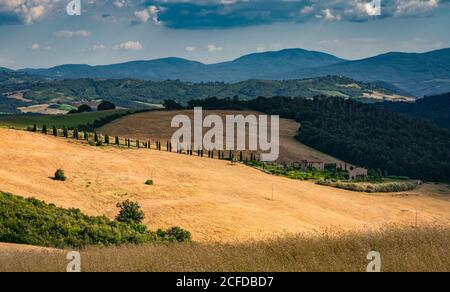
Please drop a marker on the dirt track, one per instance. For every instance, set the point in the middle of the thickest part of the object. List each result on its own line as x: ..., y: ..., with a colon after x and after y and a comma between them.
x: 212, y: 199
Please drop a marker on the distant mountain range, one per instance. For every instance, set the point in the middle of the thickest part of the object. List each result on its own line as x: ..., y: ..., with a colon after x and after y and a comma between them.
x: 417, y: 74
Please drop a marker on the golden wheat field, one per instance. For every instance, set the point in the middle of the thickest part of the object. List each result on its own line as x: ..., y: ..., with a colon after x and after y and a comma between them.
x: 216, y: 201
x: 401, y: 249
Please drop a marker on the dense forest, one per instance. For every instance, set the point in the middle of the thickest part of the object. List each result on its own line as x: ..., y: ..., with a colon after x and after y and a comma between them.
x: 358, y: 133
x: 433, y: 108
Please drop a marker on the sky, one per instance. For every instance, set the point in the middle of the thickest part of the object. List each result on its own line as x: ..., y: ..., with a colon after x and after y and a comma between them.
x: 41, y: 33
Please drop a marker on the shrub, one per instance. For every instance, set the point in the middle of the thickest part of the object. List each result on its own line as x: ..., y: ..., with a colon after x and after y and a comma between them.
x: 106, y: 105
x: 174, y: 234
x: 84, y: 108
x: 130, y: 212
x: 149, y: 182
x: 31, y: 221
x: 59, y: 175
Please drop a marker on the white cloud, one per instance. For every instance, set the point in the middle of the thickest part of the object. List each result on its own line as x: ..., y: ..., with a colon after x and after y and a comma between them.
x: 260, y: 49
x: 150, y: 12
x: 70, y: 34
x: 189, y: 49
x: 35, y: 46
x: 29, y: 11
x: 129, y: 46
x: 213, y: 48
x: 98, y: 47
x: 120, y: 3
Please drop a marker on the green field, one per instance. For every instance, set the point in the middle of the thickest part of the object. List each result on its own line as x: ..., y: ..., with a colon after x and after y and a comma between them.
x: 72, y: 120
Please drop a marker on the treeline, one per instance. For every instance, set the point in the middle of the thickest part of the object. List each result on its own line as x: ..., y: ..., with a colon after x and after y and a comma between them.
x: 358, y: 133
x: 433, y: 108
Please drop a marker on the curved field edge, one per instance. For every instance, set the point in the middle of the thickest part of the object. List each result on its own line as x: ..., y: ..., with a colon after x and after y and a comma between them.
x: 401, y: 249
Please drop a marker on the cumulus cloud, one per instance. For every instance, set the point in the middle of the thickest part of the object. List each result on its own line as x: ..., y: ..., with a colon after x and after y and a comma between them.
x: 189, y: 49
x: 213, y: 48
x: 129, y: 46
x: 148, y: 13
x: 199, y: 14
x: 98, y: 47
x: 27, y: 11
x: 70, y: 33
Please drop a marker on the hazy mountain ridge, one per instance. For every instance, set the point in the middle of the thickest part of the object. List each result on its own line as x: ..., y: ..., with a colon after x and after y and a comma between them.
x: 417, y: 73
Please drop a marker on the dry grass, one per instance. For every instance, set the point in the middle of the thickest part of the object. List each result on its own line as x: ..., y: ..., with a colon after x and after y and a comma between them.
x: 423, y: 249
x: 155, y: 125
x: 215, y: 201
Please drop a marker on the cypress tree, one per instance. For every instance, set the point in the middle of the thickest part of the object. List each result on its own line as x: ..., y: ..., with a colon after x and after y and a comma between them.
x: 65, y: 132
x: 44, y: 129
x: 106, y: 139
x: 75, y: 134
x: 34, y: 128
x: 138, y: 144
x: 117, y: 141
x: 55, y: 131
x: 241, y: 158
x: 86, y: 136
x: 95, y: 137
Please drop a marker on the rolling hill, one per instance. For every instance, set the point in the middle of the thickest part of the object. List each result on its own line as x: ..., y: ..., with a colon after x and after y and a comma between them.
x: 216, y: 201
x: 417, y: 73
x: 144, y: 94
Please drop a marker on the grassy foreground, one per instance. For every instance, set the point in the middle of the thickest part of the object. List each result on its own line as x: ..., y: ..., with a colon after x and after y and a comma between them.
x: 421, y: 249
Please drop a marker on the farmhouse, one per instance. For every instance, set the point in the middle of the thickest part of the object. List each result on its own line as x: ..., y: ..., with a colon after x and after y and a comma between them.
x: 357, y: 173
x: 305, y: 165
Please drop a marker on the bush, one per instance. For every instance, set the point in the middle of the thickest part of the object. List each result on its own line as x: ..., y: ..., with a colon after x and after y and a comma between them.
x: 84, y: 108
x: 130, y: 212
x: 59, y: 175
x: 31, y: 221
x: 174, y: 234
x: 388, y: 187
x: 106, y: 105
x: 149, y: 182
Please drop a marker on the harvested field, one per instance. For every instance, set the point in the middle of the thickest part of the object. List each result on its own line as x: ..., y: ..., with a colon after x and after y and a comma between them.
x: 155, y: 125
x: 216, y: 201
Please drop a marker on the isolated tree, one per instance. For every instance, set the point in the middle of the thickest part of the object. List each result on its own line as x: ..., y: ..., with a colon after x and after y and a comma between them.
x: 55, y: 131
x: 95, y: 137
x: 65, y: 132
x: 106, y: 139
x: 44, y: 129
x: 170, y: 104
x: 106, y: 105
x: 34, y: 128
x: 130, y: 212
x: 75, y: 134
x: 84, y: 108
x: 117, y: 141
x: 59, y: 175
x: 86, y: 136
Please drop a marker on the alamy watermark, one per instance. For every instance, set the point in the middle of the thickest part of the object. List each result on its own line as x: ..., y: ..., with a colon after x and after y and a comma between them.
x: 235, y: 136
x: 74, y: 8
x: 374, y: 8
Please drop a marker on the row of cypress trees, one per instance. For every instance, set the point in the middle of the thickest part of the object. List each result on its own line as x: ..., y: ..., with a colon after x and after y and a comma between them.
x: 138, y: 144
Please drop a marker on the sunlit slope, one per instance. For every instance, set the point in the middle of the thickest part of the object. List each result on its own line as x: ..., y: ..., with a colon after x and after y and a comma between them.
x: 214, y: 200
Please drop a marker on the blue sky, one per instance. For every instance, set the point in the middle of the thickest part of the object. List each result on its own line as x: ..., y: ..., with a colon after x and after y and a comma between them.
x: 39, y: 33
